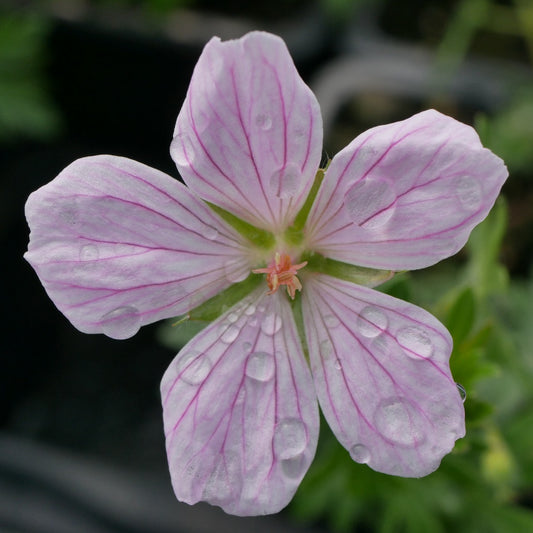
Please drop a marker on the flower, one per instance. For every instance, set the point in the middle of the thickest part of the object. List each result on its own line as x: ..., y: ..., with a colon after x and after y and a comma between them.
x: 118, y: 245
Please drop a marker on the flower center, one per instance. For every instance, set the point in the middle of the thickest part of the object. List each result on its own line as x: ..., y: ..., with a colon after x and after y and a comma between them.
x: 280, y: 272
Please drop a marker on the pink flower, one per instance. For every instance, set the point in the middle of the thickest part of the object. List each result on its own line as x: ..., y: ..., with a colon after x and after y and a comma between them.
x: 118, y: 245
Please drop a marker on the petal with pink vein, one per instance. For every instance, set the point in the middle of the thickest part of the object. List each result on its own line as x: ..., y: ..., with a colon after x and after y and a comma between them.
x: 382, y: 376
x: 240, y: 412
x: 405, y: 195
x: 118, y: 245
x: 249, y: 135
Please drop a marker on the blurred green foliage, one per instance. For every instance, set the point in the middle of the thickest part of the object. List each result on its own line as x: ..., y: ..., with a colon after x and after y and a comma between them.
x: 25, y: 107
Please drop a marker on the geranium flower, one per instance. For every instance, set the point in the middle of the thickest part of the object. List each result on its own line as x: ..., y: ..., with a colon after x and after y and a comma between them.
x: 118, y: 245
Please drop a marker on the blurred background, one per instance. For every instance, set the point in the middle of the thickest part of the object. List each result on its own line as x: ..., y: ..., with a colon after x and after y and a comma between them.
x: 81, y: 439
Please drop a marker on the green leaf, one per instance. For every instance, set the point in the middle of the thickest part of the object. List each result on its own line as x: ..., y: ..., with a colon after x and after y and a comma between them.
x: 461, y: 315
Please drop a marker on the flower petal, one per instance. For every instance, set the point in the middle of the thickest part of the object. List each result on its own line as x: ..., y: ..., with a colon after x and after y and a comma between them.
x: 405, y: 195
x: 249, y: 135
x: 117, y: 245
x: 382, y: 376
x: 240, y: 412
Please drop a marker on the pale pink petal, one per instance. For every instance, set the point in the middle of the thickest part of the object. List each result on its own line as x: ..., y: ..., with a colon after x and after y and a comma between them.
x: 405, y: 195
x: 240, y: 412
x: 249, y: 135
x: 382, y: 376
x: 117, y: 244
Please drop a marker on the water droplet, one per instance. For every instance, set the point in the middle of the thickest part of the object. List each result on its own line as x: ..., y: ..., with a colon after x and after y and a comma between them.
x: 326, y: 349
x: 271, y: 324
x: 228, y: 333
x: 415, y: 342
x: 182, y: 150
x: 233, y: 317
x: 260, y: 366
x: 370, y: 203
x: 263, y: 121
x: 236, y: 270
x: 469, y: 192
x: 210, y: 233
x: 398, y: 421
x: 337, y: 364
x: 246, y: 346
x: 295, y: 467
x: 462, y: 391
x: 286, y: 181
x: 89, y: 252
x: 360, y: 453
x: 193, y: 367
x: 290, y: 438
x: 225, y: 481
x: 371, y: 322
x: 331, y: 321
x: 250, y: 310
x: 122, y: 322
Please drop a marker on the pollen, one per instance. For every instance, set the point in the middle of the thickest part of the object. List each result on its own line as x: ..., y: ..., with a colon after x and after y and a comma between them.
x: 280, y: 272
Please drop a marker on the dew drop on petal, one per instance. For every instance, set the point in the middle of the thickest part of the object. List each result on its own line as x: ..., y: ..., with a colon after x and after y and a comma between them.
x: 398, y: 421
x: 228, y: 333
x: 246, y: 346
x: 89, y: 252
x: 469, y: 192
x: 415, y: 342
x: 360, y: 453
x: 122, y: 322
x: 326, y: 349
x: 193, y: 367
x: 182, y: 150
x: 286, y: 181
x: 263, y: 121
x: 371, y: 321
x: 337, y: 364
x: 260, y: 366
x: 290, y: 438
x: 233, y: 317
x: 370, y: 203
x: 295, y: 467
x: 250, y: 310
x: 462, y: 391
x: 271, y: 324
x: 331, y: 321
x: 209, y: 232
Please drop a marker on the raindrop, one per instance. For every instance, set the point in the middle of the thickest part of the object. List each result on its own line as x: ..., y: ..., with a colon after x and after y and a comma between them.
x: 331, y: 321
x: 260, y: 366
x: 295, y: 467
x: 399, y: 422
x: 326, y: 349
x: 193, y: 367
x: 250, y: 310
x: 233, y: 317
x: 360, y: 453
x: 469, y: 192
x: 246, y: 346
x: 290, y: 438
x: 462, y: 391
x: 122, y: 322
x: 337, y: 364
x: 370, y: 203
x: 415, y: 342
x: 182, y: 150
x: 263, y: 121
x: 271, y: 324
x: 286, y: 181
x: 89, y: 252
x: 228, y: 333
x: 371, y: 322
x: 210, y: 233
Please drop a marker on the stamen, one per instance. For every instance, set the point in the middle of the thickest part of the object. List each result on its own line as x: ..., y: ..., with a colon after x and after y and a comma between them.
x: 281, y: 271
